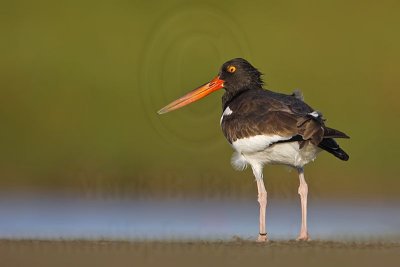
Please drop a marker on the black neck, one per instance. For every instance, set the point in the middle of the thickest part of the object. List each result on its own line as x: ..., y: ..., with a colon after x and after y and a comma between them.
x: 228, y: 97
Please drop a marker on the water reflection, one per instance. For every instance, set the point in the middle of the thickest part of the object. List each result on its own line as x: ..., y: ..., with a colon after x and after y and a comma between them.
x: 50, y: 216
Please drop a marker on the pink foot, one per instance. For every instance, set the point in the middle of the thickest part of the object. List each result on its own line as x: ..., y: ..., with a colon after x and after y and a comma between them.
x: 262, y: 238
x: 303, y: 237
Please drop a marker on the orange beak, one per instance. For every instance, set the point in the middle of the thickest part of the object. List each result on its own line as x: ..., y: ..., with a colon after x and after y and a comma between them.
x: 194, y: 95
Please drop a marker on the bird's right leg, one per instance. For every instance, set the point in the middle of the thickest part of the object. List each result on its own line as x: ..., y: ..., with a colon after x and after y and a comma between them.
x: 303, y: 191
x: 262, y: 199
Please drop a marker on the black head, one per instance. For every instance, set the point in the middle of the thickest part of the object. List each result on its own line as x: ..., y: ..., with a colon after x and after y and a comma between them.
x: 238, y: 74
x: 235, y: 76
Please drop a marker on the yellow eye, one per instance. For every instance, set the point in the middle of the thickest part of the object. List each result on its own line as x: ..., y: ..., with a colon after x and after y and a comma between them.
x: 231, y: 69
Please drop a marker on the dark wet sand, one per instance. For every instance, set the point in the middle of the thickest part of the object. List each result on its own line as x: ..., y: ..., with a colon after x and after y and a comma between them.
x: 234, y: 253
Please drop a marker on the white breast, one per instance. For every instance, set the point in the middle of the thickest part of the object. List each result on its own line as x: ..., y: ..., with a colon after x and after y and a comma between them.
x: 288, y: 153
x: 256, y: 143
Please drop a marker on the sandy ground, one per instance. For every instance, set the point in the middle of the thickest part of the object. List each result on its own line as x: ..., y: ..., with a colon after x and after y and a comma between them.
x: 234, y: 253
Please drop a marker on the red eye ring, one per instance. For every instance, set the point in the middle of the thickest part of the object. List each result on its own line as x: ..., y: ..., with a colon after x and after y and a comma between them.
x: 231, y: 69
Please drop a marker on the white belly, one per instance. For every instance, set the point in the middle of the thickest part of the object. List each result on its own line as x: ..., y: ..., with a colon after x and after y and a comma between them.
x: 281, y: 153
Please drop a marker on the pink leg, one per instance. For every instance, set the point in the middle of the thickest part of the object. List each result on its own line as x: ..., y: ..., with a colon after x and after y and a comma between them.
x: 262, y: 199
x: 303, y: 191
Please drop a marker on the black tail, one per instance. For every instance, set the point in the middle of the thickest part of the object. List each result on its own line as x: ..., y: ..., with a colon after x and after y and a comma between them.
x: 332, y: 147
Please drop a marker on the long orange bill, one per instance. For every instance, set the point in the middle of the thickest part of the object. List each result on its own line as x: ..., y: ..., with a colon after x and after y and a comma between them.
x: 194, y: 95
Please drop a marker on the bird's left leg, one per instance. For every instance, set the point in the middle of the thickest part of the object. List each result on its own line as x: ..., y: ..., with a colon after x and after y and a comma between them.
x: 262, y: 200
x: 303, y: 191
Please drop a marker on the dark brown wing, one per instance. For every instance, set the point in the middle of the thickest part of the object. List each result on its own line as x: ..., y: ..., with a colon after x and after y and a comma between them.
x: 260, y: 112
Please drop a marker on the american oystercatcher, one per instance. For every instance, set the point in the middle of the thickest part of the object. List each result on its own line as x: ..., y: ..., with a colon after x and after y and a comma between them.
x: 265, y: 127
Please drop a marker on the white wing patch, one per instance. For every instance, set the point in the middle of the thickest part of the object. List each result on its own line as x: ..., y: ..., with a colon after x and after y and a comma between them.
x: 226, y: 112
x: 315, y: 114
x: 256, y: 143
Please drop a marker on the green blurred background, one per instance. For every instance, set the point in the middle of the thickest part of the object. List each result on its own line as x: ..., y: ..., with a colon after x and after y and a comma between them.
x: 81, y: 81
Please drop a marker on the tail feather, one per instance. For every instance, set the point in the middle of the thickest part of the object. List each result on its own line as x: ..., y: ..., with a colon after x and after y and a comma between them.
x: 330, y: 145
x: 333, y: 133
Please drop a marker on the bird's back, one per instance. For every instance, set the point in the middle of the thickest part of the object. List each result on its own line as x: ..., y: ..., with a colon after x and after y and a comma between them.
x: 259, y: 119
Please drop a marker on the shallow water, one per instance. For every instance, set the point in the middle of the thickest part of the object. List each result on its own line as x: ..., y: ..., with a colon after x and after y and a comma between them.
x: 67, y: 217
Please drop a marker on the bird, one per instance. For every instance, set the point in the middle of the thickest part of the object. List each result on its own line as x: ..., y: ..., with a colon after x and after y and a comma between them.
x: 266, y: 127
